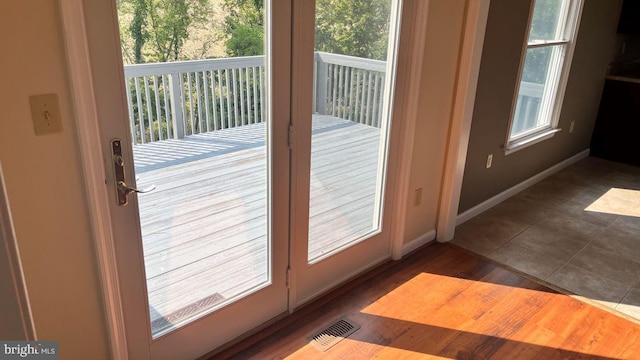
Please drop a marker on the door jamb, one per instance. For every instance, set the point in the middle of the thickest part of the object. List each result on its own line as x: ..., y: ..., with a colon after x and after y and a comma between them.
x: 88, y: 132
x: 460, y: 128
x: 409, y: 109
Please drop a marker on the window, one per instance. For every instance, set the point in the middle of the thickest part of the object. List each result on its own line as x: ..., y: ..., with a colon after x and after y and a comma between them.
x: 544, y: 72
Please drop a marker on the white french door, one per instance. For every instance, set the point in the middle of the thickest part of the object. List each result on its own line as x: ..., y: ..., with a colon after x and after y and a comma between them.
x: 271, y: 179
x: 343, y: 155
x: 203, y: 257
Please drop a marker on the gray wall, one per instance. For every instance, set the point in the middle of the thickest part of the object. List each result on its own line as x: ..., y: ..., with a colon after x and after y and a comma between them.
x: 596, y: 47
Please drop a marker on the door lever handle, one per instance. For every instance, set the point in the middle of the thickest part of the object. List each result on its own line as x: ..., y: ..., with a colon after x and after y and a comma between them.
x: 126, y: 190
x: 122, y: 189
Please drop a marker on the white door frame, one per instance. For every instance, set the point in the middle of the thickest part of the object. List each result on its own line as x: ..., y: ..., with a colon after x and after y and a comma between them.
x: 98, y: 194
x: 475, y: 25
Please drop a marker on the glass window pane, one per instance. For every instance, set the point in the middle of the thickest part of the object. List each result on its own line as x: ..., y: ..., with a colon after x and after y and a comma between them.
x: 350, y: 118
x: 547, y: 20
x: 199, y: 135
x: 530, y: 94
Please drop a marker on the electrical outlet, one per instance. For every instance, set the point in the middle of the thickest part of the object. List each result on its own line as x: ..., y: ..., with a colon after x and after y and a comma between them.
x: 489, y: 160
x: 45, y: 112
x: 573, y: 124
x: 417, y: 196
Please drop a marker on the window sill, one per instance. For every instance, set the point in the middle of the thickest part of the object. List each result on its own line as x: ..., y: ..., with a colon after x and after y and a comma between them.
x: 525, y: 142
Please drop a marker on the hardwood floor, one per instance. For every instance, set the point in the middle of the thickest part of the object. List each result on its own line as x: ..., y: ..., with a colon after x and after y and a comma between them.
x: 444, y: 302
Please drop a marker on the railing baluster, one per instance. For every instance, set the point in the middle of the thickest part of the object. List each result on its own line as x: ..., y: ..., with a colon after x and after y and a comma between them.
x: 229, y: 120
x: 248, y: 87
x: 363, y: 100
x: 262, y: 74
x: 176, y: 105
x: 374, y: 102
x: 214, y: 105
x: 205, y: 87
x: 132, y: 121
x: 167, y: 107
x: 334, y: 94
x: 527, y: 114
x: 351, y: 96
x: 183, y: 101
x: 222, y: 112
x: 147, y: 96
x: 356, y: 97
x: 369, y: 105
x: 156, y: 91
x: 314, y: 105
x: 235, y: 97
x: 140, y: 112
x: 340, y: 90
x: 380, y: 99
x: 191, y: 118
x: 345, y: 92
x: 199, y: 128
x: 321, y: 102
x: 240, y: 76
x: 256, y: 111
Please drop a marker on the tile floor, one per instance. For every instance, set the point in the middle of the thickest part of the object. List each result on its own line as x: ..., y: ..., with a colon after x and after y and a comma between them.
x: 578, y: 230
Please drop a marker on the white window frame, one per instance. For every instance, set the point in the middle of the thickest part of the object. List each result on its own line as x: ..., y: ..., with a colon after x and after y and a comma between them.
x: 556, y: 82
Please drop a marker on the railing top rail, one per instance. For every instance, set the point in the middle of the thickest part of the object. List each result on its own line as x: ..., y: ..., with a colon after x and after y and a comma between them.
x: 351, y: 61
x: 192, y: 66
x: 531, y: 89
x: 177, y: 67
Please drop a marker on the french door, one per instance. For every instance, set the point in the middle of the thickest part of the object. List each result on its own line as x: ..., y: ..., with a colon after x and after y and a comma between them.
x: 343, y: 156
x: 242, y: 187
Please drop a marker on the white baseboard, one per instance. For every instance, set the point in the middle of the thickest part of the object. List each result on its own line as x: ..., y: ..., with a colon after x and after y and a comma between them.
x: 418, y: 242
x: 488, y: 204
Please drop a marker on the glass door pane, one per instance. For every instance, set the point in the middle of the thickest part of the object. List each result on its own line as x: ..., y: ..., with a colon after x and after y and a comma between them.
x: 199, y: 130
x: 351, y: 107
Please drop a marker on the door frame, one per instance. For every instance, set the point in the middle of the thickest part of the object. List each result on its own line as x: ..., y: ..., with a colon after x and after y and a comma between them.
x: 96, y: 191
x: 95, y: 160
x: 98, y: 194
x: 408, y: 43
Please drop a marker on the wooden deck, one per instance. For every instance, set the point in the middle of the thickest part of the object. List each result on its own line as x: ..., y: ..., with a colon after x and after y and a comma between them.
x: 204, y: 227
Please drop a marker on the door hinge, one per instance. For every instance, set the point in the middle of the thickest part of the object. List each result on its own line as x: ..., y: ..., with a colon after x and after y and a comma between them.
x: 288, y: 277
x: 291, y: 137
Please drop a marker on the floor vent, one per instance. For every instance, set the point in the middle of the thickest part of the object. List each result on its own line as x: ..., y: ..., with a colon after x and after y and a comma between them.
x: 333, y: 334
x: 185, y: 312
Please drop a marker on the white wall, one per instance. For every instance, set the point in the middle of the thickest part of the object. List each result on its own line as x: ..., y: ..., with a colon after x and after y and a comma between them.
x: 44, y: 184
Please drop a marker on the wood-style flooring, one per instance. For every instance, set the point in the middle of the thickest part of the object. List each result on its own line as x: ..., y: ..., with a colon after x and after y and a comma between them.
x: 443, y: 302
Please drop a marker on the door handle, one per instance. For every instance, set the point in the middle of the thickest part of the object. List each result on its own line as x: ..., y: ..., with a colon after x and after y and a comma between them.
x: 122, y: 189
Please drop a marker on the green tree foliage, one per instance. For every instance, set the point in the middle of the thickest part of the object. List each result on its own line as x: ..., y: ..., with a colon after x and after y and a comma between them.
x: 543, y: 27
x: 353, y: 27
x: 158, y: 29
x: 244, y: 26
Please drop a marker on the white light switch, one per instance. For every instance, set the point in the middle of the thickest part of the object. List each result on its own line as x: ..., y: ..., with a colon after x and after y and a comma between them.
x: 45, y: 112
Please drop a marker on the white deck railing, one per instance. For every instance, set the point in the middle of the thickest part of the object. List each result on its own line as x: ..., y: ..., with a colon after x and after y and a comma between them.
x: 171, y: 100
x: 349, y: 87
x: 529, y: 98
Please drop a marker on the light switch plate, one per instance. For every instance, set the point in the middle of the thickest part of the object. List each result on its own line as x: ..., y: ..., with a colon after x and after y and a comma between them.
x: 45, y: 111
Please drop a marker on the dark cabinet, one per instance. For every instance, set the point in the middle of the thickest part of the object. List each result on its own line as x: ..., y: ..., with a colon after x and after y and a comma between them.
x: 616, y: 135
x: 630, y: 17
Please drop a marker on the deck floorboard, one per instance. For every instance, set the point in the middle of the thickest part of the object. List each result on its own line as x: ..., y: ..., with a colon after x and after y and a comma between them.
x: 204, y: 227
